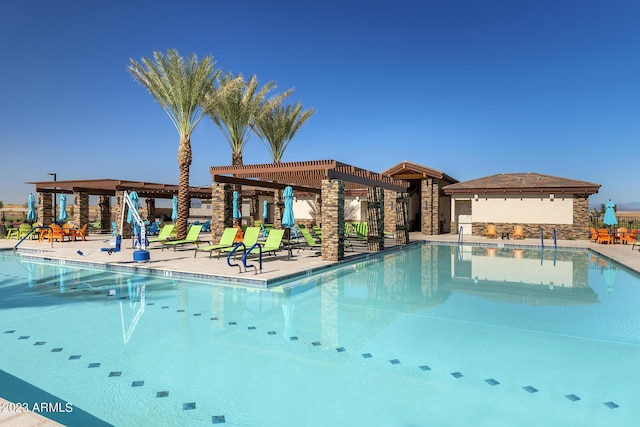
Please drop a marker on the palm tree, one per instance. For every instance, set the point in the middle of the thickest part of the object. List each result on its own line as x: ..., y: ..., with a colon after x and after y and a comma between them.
x: 278, y: 125
x: 234, y: 105
x: 179, y: 86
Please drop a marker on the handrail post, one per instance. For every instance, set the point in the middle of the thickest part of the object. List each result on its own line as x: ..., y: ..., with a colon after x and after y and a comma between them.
x: 542, y: 237
x: 555, y: 242
x: 244, y: 249
x: 460, y: 235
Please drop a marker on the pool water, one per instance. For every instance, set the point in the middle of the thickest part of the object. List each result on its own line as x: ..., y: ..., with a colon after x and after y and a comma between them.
x: 431, y: 335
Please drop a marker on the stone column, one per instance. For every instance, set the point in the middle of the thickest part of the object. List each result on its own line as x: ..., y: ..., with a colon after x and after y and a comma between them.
x: 318, y: 218
x: 254, y: 210
x: 375, y: 219
x: 278, y: 208
x: 430, y: 206
x: 104, y: 203
x: 435, y: 206
x: 117, y: 210
x: 390, y: 220
x: 45, y: 209
x: 151, y: 208
x: 332, y: 220
x: 81, y: 209
x: 221, y: 209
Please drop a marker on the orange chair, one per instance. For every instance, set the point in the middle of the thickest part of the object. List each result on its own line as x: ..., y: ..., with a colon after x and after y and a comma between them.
x: 629, y: 239
x: 594, y: 234
x: 518, y: 231
x: 492, y: 231
x: 54, y: 233
x: 80, y: 232
x: 604, y: 236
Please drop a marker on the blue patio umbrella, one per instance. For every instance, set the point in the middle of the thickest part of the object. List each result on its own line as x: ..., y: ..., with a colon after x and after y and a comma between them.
x: 134, y: 201
x: 63, y: 208
x: 287, y: 217
x: 31, y: 208
x: 174, y: 211
x: 265, y: 210
x: 236, y: 205
x: 610, y: 214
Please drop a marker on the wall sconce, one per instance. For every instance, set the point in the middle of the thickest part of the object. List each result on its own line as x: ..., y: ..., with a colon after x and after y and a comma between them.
x: 551, y: 197
x: 357, y: 199
x: 475, y: 197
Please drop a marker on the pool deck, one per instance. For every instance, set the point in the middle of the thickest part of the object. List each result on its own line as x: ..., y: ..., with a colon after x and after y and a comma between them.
x: 182, y: 263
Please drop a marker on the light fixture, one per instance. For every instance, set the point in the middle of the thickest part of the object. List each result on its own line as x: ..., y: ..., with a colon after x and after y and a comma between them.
x: 551, y: 197
x: 475, y: 197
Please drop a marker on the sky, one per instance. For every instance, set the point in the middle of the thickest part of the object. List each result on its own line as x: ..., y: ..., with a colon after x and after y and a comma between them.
x: 468, y: 87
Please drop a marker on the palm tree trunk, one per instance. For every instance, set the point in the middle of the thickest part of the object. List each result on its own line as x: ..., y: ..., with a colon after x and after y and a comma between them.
x: 184, y: 163
x: 236, y: 160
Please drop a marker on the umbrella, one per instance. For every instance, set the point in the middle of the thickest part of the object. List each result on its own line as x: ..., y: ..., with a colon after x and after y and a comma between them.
x: 287, y: 217
x: 265, y: 210
x: 610, y: 214
x: 609, y: 277
x: 63, y: 208
x: 236, y: 205
x: 174, y: 211
x: 31, y: 206
x: 134, y: 201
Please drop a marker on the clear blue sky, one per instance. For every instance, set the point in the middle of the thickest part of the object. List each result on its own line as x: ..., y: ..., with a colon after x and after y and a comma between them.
x: 471, y: 88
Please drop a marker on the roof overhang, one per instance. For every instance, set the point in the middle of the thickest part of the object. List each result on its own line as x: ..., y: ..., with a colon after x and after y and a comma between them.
x: 110, y: 187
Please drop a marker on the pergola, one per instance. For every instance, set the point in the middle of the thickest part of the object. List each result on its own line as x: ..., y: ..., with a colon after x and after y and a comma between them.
x: 329, y: 181
x: 105, y: 189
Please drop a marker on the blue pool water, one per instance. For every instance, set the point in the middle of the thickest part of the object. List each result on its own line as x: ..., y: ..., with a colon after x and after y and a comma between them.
x: 429, y: 336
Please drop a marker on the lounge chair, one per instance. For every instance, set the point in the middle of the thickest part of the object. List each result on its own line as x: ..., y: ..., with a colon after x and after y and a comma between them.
x: 630, y: 238
x: 80, y: 232
x: 309, y: 239
x: 226, y: 241
x: 164, y: 234
x: 272, y: 244
x: 492, y: 231
x: 249, y: 239
x: 604, y: 236
x: 518, y: 231
x: 594, y: 234
x: 193, y: 237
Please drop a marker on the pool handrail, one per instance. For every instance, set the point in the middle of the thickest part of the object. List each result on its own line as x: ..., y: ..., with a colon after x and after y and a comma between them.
x: 247, y: 252
x: 542, y: 237
x: 460, y: 236
x: 233, y: 251
x: 29, y: 234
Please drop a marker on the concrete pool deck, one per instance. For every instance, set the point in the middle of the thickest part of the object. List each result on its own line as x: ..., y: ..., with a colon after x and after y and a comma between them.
x: 182, y: 262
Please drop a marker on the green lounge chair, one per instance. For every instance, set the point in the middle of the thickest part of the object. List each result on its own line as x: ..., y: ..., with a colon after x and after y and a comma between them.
x: 226, y: 241
x: 165, y: 233
x: 272, y: 244
x: 250, y: 238
x: 309, y: 239
x: 193, y: 236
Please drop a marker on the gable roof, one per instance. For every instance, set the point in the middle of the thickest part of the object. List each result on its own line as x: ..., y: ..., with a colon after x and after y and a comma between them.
x: 520, y: 183
x: 408, y: 170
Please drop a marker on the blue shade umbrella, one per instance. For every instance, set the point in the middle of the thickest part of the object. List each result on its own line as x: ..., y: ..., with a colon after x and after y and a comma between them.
x: 610, y: 214
x: 174, y: 211
x: 236, y: 205
x: 265, y: 210
x: 31, y: 208
x: 63, y: 208
x: 287, y: 217
x: 134, y: 201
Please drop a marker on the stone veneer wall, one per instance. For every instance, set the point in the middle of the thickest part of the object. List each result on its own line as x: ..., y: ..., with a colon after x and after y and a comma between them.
x: 318, y: 218
x: 579, y: 230
x: 150, y: 202
x: 221, y: 209
x: 430, y: 192
x: 81, y: 210
x: 332, y: 220
x: 278, y: 208
x: 390, y: 219
x: 45, y: 209
x: 104, y: 203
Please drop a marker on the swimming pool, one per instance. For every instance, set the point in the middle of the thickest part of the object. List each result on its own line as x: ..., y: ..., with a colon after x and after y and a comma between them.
x: 433, y: 335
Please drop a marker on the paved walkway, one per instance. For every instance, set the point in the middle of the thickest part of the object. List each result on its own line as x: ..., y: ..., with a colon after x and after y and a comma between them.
x: 182, y: 262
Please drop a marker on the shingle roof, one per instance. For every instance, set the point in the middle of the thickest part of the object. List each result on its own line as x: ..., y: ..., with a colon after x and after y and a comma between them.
x: 409, y: 170
x: 528, y: 182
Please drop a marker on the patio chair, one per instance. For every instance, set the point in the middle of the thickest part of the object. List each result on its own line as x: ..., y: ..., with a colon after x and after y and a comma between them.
x: 491, y: 231
x: 193, y: 237
x: 630, y: 238
x: 226, y: 241
x: 249, y: 239
x: 518, y: 231
x: 12, y: 232
x: 165, y: 233
x: 309, y: 239
x: 23, y: 230
x: 594, y: 234
x: 604, y: 236
x: 54, y: 232
x: 272, y: 244
x: 79, y: 232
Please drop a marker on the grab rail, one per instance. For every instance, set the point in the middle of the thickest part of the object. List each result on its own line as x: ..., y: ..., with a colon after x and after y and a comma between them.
x: 542, y: 237
x: 460, y: 235
x: 233, y: 251
x: 244, y: 258
x: 555, y: 242
x: 29, y: 234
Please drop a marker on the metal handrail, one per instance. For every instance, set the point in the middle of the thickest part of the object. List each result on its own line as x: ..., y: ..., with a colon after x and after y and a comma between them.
x: 29, y: 233
x: 542, y: 236
x: 555, y: 241
x: 233, y: 251
x: 247, y: 252
x: 460, y: 236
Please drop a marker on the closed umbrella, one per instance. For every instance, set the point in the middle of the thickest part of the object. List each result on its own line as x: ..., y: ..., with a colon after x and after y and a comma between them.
x: 236, y: 206
x: 287, y: 217
x: 63, y: 208
x: 31, y: 208
x: 265, y: 211
x: 610, y: 214
x: 174, y: 211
